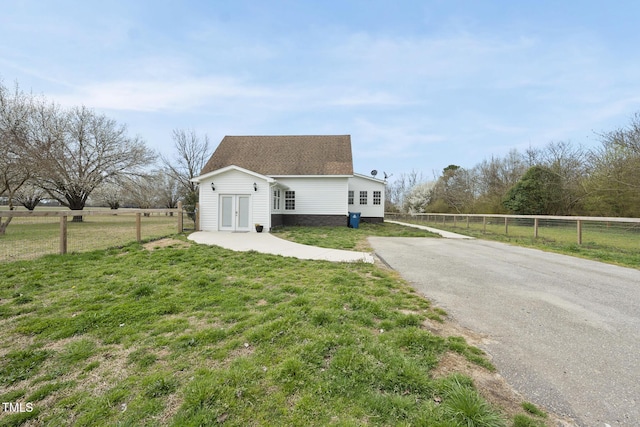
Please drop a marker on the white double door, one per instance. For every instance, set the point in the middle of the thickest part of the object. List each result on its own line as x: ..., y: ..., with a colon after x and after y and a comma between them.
x: 235, y: 212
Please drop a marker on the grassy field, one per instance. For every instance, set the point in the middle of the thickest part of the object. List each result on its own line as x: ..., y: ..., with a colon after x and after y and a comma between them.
x: 612, y: 243
x: 178, y: 334
x: 30, y: 238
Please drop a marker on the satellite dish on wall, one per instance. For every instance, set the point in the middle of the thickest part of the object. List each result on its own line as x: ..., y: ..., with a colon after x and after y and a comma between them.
x: 374, y: 173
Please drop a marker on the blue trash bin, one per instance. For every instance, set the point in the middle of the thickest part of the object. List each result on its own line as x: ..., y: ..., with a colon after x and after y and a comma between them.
x: 354, y: 219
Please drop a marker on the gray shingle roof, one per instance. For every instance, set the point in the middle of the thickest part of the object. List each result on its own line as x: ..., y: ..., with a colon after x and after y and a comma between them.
x: 285, y: 155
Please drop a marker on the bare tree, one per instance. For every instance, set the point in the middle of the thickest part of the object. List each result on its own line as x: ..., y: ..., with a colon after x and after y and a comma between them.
x: 14, y: 168
x: 614, y: 172
x: 67, y: 153
x: 109, y: 193
x: 456, y: 190
x: 169, y: 189
x: 141, y: 191
x: 91, y: 149
x: 623, y: 144
x: 569, y: 163
x: 627, y: 138
x: 29, y: 195
x: 460, y: 190
x: 494, y: 179
x: 402, y: 186
x: 191, y: 154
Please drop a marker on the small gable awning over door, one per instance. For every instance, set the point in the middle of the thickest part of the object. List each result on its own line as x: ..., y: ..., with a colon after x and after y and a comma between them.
x: 214, y: 173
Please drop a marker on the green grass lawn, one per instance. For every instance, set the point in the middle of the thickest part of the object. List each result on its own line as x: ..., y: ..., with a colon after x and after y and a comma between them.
x: 187, y: 335
x: 347, y: 238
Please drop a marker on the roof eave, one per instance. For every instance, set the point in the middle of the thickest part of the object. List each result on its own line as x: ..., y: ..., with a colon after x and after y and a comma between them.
x: 216, y: 172
x: 310, y: 176
x: 359, y: 175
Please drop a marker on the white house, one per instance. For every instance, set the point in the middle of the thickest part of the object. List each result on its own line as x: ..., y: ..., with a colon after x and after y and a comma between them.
x: 285, y: 180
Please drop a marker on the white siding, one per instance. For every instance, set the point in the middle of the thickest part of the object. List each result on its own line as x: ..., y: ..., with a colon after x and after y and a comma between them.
x: 357, y: 184
x: 313, y: 196
x: 234, y: 182
x: 317, y: 196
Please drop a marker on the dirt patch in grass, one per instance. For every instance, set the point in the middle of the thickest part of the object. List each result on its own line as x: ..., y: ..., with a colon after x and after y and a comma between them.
x: 17, y: 341
x: 491, y: 385
x: 362, y: 246
x: 244, y: 350
x: 172, y: 405
x: 60, y: 344
x: 113, y: 366
x: 166, y: 243
x: 449, y: 328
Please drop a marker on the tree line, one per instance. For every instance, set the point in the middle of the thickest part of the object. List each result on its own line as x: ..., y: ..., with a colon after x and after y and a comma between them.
x: 76, y: 155
x: 560, y: 178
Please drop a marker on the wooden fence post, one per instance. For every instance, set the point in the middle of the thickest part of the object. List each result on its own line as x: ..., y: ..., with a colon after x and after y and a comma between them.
x: 506, y: 226
x: 63, y: 235
x: 197, y: 214
x: 535, y: 228
x: 138, y: 227
x: 180, y: 219
x: 579, y: 227
x: 484, y: 224
x: 467, y: 221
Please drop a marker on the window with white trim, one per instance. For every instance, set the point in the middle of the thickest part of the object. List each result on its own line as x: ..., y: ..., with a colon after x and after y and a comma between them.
x: 377, y: 196
x: 289, y: 200
x: 276, y: 200
x: 363, y: 197
x: 350, y: 201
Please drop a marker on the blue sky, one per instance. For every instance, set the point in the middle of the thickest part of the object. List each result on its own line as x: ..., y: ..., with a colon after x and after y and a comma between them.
x: 418, y: 85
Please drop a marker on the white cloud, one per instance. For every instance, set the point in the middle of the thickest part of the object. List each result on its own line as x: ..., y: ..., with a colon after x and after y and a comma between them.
x: 157, y: 95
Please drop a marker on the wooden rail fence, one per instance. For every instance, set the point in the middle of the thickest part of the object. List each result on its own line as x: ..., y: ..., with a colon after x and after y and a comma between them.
x: 64, y: 214
x: 462, y: 218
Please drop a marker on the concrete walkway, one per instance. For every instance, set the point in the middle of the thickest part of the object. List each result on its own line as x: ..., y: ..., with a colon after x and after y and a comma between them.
x: 445, y: 234
x: 270, y: 244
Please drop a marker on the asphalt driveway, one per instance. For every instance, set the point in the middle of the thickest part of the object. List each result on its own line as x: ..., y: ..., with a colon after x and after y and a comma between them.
x: 563, y: 331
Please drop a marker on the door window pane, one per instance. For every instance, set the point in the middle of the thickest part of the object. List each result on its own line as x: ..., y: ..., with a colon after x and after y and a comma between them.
x: 227, y: 211
x: 243, y: 212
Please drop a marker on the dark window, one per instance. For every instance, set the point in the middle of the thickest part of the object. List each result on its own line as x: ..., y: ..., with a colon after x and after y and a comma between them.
x: 350, y: 197
x: 363, y: 197
x: 289, y: 200
x: 377, y: 195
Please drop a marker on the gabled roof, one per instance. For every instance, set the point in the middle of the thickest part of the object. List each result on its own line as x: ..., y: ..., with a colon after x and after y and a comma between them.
x: 229, y: 168
x: 285, y: 155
